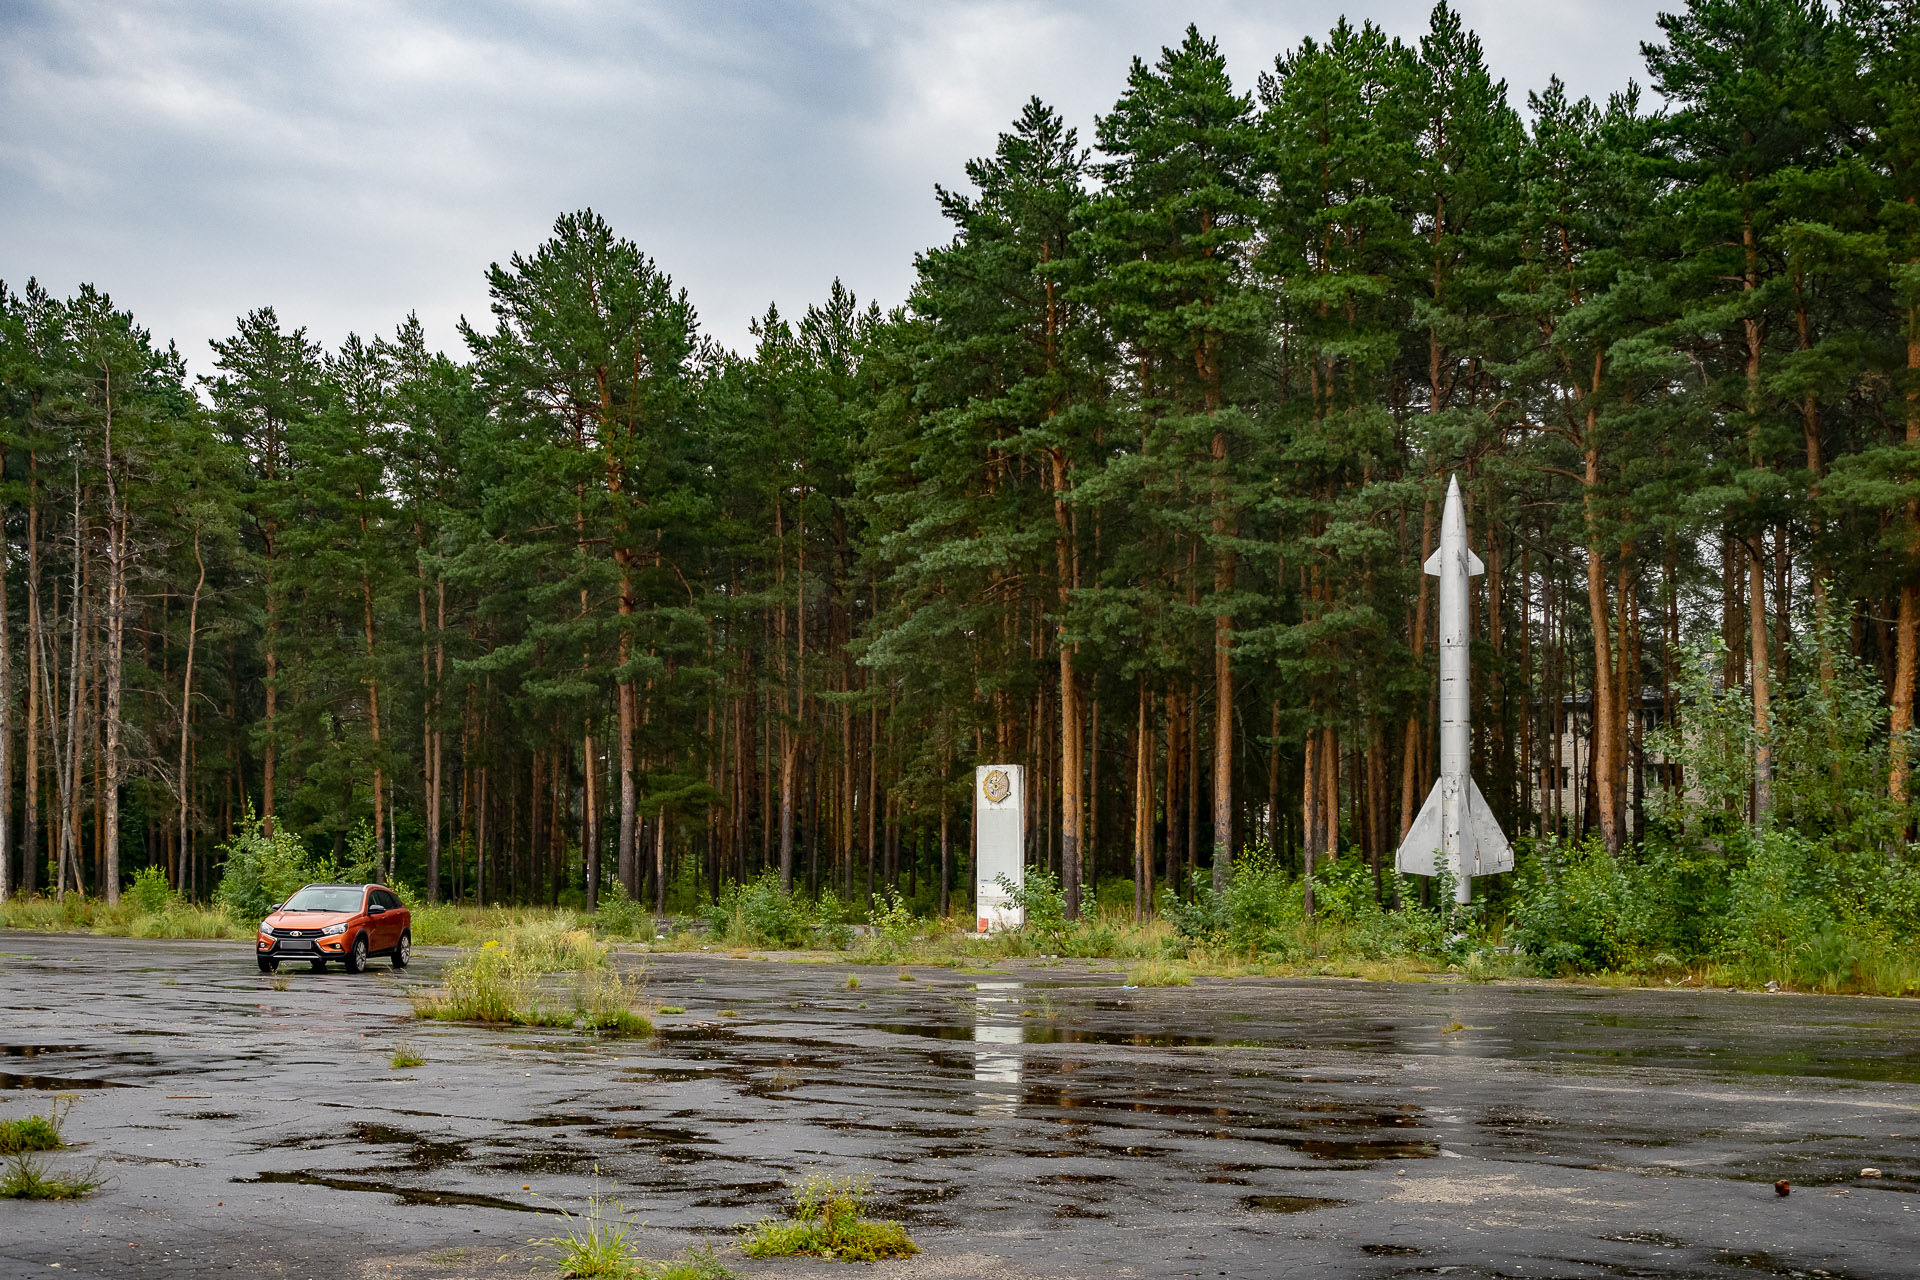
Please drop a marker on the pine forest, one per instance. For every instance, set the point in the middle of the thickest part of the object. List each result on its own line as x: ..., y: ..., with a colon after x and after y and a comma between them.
x: 1133, y: 490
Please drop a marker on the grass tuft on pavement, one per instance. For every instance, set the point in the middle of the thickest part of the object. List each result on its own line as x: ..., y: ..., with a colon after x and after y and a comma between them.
x: 35, y: 1132
x: 28, y: 1177
x: 501, y: 983
x: 824, y: 1222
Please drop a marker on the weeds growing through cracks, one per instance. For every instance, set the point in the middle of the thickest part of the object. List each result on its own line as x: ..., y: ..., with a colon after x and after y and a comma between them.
x: 500, y: 983
x: 36, y: 1132
x: 1159, y: 973
x: 824, y: 1222
x: 28, y: 1177
x: 598, y: 1245
x: 405, y: 1056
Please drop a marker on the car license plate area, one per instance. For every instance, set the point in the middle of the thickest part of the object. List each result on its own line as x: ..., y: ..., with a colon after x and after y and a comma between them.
x: 296, y: 944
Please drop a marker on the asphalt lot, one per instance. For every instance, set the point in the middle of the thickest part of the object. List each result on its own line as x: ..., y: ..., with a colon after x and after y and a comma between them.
x: 1034, y: 1121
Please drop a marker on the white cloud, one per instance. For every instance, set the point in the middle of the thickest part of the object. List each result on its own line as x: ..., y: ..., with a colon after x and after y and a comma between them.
x: 349, y: 162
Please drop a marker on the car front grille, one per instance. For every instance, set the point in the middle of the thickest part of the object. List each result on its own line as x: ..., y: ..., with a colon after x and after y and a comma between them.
x: 294, y: 933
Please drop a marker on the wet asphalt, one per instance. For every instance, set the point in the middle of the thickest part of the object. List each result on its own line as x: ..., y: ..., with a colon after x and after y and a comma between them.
x: 1036, y: 1120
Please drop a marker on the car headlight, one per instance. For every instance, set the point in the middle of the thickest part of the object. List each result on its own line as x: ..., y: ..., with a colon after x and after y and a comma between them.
x: 333, y: 930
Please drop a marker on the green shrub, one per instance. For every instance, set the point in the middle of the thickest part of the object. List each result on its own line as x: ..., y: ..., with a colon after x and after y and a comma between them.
x: 759, y: 913
x: 1579, y: 909
x: 619, y: 916
x: 149, y: 894
x: 262, y: 871
x: 1043, y: 907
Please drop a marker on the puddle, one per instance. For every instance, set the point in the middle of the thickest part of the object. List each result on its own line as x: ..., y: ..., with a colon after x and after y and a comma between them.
x: 10, y: 1081
x: 651, y: 1133
x: 1291, y: 1204
x: 35, y: 1050
x: 424, y: 1153
x: 403, y: 1195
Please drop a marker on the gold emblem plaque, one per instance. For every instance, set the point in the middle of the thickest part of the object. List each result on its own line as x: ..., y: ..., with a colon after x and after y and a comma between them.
x: 997, y: 787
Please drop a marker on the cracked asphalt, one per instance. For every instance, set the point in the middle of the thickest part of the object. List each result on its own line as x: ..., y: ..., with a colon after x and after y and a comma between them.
x: 1036, y: 1120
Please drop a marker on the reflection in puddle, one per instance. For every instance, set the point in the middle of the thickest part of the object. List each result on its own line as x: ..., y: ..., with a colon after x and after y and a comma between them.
x: 996, y: 1020
x: 8, y: 1080
x: 1291, y: 1204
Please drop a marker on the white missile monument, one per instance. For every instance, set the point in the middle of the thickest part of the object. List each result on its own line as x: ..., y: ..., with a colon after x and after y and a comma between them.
x: 1455, y: 822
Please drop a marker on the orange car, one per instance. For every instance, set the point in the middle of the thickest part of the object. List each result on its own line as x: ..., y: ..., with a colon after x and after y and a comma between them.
x: 344, y: 922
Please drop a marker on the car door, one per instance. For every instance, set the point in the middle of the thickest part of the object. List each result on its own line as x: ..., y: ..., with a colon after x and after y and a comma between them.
x: 385, y: 927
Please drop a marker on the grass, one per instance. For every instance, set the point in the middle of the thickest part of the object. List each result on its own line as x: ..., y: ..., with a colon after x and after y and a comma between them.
x: 853, y: 982
x: 126, y: 919
x: 405, y: 1057
x: 1159, y: 973
x: 598, y: 1245
x: 673, y: 1008
x: 33, y: 1133
x: 502, y: 983
x: 824, y: 1222
x: 27, y: 1177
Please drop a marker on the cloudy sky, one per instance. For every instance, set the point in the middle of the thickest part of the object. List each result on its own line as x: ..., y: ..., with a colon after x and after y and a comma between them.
x: 347, y: 161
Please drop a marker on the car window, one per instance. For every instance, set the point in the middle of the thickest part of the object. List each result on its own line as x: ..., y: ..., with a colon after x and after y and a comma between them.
x: 325, y: 897
x: 385, y: 899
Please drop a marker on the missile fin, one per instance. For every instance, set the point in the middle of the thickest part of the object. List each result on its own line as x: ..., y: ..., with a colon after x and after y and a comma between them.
x: 1422, y: 845
x: 1432, y: 565
x: 1491, y: 851
x: 1474, y: 567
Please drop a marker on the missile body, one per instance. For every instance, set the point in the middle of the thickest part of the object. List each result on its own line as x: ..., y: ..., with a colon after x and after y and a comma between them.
x: 1455, y: 822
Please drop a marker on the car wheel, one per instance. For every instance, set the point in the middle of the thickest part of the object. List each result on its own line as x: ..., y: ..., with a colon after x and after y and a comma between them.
x: 356, y: 960
x: 267, y: 963
x: 403, y: 950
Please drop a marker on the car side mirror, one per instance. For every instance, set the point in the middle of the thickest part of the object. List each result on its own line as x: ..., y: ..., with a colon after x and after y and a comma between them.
x: 376, y: 910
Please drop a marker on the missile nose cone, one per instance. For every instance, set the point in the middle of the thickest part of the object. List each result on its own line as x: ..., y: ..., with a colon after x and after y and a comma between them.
x: 1453, y: 520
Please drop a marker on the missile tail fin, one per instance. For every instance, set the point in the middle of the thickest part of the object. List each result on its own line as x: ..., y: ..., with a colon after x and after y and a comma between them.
x: 1432, y: 566
x: 1422, y: 844
x: 1474, y: 567
x: 1491, y: 852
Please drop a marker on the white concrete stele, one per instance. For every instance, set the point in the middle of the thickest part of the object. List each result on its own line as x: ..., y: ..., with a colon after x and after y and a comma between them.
x: 1000, y: 841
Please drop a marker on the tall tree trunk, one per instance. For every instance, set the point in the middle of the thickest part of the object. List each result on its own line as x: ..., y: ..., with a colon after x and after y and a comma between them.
x: 186, y: 680
x: 628, y: 852
x: 36, y: 647
x: 1071, y: 805
x: 1762, y: 714
x: 1604, y: 706
x: 1907, y: 637
x: 6, y: 719
x: 1410, y: 779
x: 116, y: 650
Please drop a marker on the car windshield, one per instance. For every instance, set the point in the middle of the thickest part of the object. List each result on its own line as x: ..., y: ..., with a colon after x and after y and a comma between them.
x: 324, y: 897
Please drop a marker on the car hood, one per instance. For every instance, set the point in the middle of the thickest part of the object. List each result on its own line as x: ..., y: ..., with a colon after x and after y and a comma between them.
x: 305, y: 919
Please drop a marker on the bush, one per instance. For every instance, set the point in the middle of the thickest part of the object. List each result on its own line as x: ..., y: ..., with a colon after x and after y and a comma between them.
x: 1043, y: 908
x: 1579, y: 909
x: 759, y: 913
x: 620, y: 916
x: 149, y: 894
x: 262, y: 871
